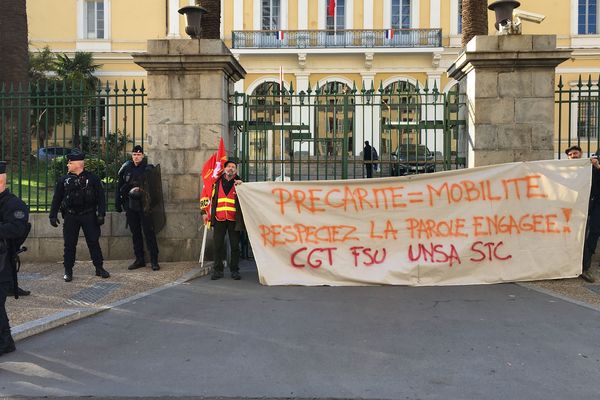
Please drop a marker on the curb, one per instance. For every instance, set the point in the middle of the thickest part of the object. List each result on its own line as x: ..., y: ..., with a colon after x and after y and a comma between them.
x: 558, y: 296
x: 64, y: 317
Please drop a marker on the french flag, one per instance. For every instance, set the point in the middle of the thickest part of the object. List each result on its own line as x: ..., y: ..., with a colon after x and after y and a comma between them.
x: 280, y: 35
x: 389, y: 33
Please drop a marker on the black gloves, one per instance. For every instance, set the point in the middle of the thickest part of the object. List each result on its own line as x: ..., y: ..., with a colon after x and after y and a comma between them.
x: 54, y: 221
x: 100, y: 220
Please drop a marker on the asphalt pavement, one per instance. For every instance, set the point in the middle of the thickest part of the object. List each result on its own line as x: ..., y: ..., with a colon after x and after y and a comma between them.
x: 238, y: 339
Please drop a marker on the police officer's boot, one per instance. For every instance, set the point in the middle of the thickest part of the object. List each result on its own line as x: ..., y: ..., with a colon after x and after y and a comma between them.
x: 101, y: 272
x: 154, y: 263
x: 138, y: 263
x: 7, y: 344
x: 68, y: 277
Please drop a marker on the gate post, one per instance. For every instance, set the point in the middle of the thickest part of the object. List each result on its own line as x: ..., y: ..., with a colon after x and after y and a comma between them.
x: 509, y: 84
x: 189, y: 82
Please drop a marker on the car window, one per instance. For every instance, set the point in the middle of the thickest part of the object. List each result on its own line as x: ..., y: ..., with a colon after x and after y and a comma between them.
x: 421, y: 150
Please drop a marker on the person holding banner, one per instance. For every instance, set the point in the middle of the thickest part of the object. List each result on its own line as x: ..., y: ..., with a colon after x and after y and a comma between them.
x: 592, y: 231
x: 225, y: 215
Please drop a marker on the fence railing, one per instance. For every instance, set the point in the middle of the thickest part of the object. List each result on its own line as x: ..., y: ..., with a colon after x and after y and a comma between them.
x: 307, y: 39
x: 577, y: 115
x: 321, y: 134
x: 42, y: 123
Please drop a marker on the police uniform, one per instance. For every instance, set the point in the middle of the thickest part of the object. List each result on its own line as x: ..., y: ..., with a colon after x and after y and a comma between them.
x: 14, y: 225
x: 80, y: 199
x: 226, y: 218
x: 130, y: 197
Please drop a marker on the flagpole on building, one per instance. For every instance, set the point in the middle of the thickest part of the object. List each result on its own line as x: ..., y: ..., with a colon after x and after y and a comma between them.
x: 281, y: 141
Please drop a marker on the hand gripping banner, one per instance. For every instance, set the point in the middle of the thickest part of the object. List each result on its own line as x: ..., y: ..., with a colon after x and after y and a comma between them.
x: 502, y: 223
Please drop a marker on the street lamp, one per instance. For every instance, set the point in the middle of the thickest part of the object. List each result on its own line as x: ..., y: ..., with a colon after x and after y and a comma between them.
x: 193, y: 17
x: 504, y: 14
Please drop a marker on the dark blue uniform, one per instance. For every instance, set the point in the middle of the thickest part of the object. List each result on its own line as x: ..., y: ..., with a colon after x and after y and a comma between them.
x: 80, y: 199
x: 132, y: 176
x: 14, y: 226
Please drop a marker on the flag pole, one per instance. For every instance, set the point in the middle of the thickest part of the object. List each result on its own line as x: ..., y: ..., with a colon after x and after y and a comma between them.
x: 281, y: 141
x: 201, y: 260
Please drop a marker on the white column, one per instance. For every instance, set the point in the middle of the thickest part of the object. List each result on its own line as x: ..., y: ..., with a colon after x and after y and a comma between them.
x: 256, y: 25
x: 434, y: 13
x: 574, y: 16
x: 366, y: 119
x: 368, y: 14
x: 284, y: 15
x: 322, y: 14
x: 302, y: 15
x: 238, y: 15
x: 387, y: 14
x: 415, y: 13
x: 349, y: 17
x: 173, y: 20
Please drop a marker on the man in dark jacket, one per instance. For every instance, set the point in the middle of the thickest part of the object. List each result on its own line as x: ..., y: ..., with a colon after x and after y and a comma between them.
x: 592, y: 231
x: 131, y: 197
x: 14, y: 226
x: 226, y: 218
x: 79, y: 196
x: 369, y: 155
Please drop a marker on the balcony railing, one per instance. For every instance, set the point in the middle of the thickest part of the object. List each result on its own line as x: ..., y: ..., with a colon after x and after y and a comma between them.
x: 348, y: 38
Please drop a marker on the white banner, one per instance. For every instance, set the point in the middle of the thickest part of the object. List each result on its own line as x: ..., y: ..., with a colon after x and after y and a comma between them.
x: 503, y: 223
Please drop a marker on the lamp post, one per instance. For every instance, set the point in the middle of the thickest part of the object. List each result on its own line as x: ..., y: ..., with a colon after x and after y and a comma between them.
x: 504, y: 16
x: 193, y: 17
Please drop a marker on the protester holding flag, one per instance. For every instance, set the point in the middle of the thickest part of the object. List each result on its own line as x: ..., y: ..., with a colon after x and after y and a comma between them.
x: 223, y: 212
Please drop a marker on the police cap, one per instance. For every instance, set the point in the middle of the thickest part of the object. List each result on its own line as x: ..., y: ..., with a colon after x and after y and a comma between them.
x: 75, y: 155
x: 2, y: 167
x: 137, y: 149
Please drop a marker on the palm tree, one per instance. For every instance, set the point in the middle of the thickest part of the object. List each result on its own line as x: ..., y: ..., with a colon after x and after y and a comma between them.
x: 77, y: 73
x: 211, y: 22
x: 474, y: 19
x: 13, y: 71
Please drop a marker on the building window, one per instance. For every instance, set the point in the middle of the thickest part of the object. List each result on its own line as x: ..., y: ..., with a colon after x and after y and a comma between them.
x: 94, y: 19
x: 587, y: 22
x: 271, y: 15
x: 401, y: 14
x: 587, y: 118
x: 459, y: 17
x: 338, y: 20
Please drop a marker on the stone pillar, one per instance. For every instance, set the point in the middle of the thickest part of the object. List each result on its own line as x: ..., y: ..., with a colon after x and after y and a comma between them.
x: 509, y: 84
x: 189, y: 81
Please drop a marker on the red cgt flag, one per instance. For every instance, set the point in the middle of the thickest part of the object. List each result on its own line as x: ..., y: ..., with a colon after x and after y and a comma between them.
x: 211, y: 171
x: 331, y: 8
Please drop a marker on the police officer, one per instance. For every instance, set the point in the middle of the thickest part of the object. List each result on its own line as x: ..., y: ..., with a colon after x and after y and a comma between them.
x: 14, y: 226
x: 132, y: 198
x: 80, y: 197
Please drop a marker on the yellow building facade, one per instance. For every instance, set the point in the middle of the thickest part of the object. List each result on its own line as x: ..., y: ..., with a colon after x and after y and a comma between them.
x: 362, y: 43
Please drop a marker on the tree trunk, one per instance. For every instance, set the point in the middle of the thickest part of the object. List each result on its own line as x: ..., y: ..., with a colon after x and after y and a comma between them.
x: 13, y: 71
x: 211, y: 22
x: 474, y: 19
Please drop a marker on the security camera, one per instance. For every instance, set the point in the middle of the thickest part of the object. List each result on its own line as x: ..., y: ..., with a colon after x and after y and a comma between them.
x: 528, y: 16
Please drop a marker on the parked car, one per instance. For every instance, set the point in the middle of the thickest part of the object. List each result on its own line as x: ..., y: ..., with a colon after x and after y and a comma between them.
x: 412, y: 159
x: 49, y: 153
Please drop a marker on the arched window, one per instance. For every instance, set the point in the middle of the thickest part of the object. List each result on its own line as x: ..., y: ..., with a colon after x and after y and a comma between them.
x: 400, y: 111
x: 334, y: 119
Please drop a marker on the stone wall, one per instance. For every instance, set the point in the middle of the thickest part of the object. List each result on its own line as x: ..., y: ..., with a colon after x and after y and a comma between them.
x: 177, y: 242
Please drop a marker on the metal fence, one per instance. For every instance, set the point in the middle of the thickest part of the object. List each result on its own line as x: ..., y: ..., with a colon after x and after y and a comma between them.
x: 42, y: 123
x: 345, y: 38
x: 577, y: 115
x: 320, y: 133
